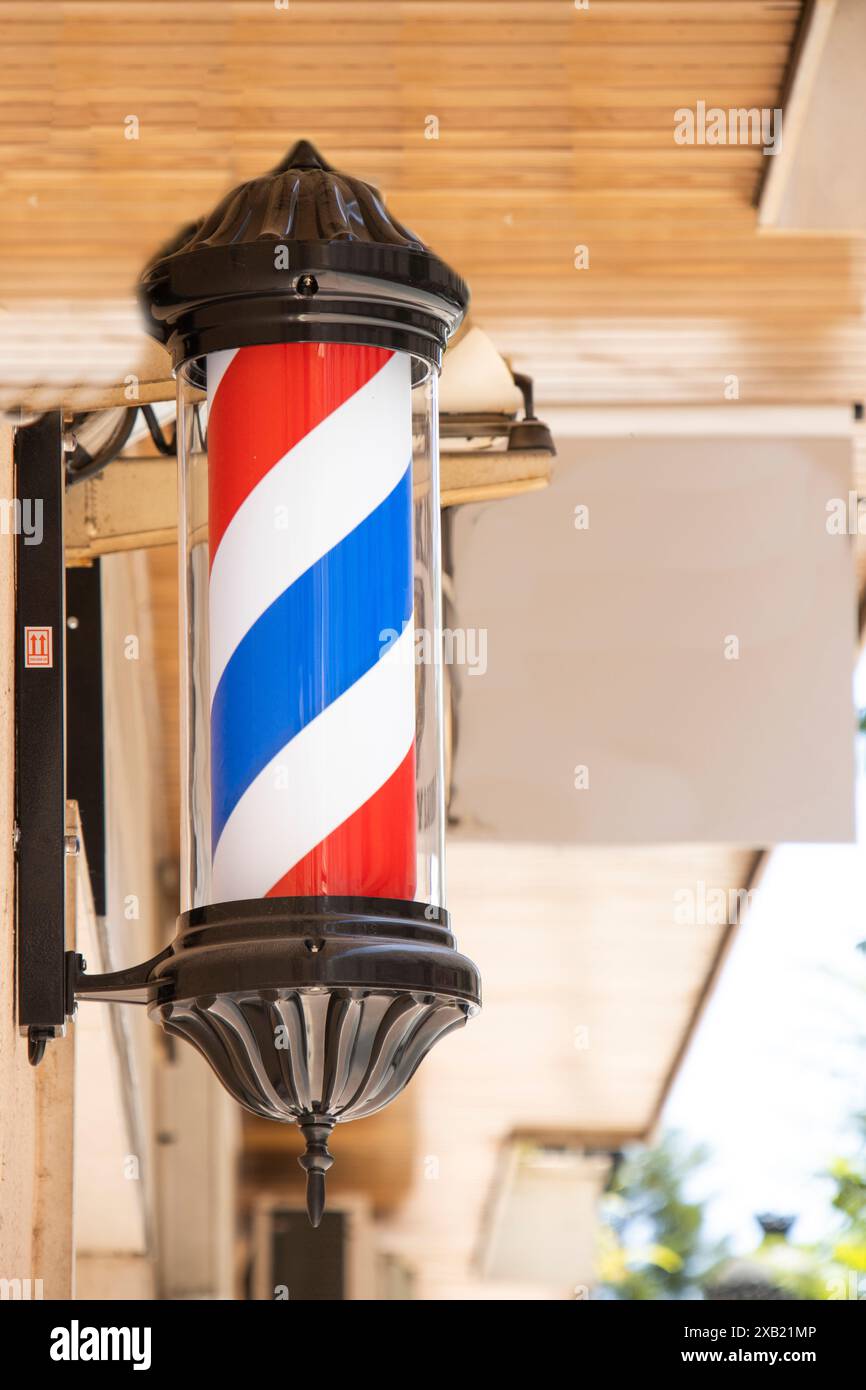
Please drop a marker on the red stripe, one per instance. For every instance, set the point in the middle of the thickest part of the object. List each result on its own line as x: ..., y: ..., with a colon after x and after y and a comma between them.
x: 371, y: 855
x: 268, y: 400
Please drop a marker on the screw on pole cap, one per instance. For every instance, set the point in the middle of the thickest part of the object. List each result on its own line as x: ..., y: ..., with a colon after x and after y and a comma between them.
x: 302, y: 254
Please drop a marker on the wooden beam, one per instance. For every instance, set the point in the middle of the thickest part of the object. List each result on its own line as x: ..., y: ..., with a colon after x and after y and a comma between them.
x: 799, y: 84
x: 132, y: 505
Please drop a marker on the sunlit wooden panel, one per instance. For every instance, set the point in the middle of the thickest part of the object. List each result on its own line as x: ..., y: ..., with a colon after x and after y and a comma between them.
x: 554, y: 130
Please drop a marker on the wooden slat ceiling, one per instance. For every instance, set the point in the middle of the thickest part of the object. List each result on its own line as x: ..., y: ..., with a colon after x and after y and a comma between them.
x: 555, y: 129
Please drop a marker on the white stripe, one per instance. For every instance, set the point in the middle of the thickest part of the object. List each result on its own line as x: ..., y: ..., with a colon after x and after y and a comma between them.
x: 320, y: 778
x: 218, y: 364
x: 309, y: 501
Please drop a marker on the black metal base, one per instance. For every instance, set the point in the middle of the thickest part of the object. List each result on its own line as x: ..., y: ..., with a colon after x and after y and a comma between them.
x: 271, y: 943
x: 310, y: 1010
x: 300, y: 943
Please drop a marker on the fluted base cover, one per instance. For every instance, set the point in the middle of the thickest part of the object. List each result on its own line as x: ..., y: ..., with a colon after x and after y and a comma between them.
x: 291, y: 1053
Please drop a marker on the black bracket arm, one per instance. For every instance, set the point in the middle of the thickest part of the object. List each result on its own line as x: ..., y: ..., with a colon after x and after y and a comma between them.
x: 135, y: 985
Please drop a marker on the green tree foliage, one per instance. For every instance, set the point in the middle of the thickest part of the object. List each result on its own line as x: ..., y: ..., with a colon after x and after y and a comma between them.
x: 652, y: 1238
x: 844, y: 1251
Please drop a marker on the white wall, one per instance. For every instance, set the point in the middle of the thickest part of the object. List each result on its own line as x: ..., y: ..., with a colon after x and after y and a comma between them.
x: 608, y: 647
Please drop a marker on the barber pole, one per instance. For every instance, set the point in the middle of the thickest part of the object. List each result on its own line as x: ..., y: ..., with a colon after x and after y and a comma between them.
x: 314, y: 966
x: 312, y: 708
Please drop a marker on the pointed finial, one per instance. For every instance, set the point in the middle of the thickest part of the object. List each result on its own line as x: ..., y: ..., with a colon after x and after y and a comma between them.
x: 316, y: 1161
x: 303, y: 155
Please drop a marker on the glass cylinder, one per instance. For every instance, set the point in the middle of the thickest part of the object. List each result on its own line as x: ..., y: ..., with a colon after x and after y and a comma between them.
x: 311, y: 683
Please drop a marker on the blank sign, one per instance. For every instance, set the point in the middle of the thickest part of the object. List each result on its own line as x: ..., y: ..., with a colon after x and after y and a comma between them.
x: 670, y: 635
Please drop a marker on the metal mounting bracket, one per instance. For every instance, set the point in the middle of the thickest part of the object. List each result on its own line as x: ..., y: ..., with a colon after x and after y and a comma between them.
x: 40, y: 763
x: 134, y: 985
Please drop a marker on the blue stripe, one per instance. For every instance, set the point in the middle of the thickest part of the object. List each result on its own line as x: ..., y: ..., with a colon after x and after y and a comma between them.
x: 315, y: 641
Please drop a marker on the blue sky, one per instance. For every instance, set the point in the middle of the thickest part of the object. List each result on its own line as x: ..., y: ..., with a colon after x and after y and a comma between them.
x: 778, y: 1065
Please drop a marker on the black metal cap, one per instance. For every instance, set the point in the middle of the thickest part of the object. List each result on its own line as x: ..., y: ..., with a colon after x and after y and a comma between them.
x: 302, y: 254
